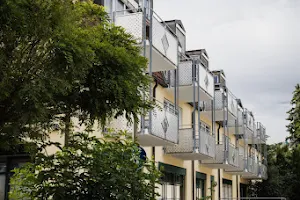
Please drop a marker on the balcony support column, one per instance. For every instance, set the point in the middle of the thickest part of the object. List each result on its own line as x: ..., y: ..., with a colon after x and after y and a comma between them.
x: 194, y: 126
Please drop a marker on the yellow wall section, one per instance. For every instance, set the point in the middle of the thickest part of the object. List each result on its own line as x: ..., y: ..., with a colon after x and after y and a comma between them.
x: 160, y: 156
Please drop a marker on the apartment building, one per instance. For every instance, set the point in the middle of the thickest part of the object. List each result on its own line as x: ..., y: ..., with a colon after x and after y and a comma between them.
x: 201, y: 135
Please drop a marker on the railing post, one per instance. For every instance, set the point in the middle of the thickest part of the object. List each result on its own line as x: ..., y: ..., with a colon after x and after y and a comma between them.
x: 199, y: 119
x: 150, y: 63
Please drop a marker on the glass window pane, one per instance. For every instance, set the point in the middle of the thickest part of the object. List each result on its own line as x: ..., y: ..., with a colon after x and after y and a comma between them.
x: 177, y: 191
x: 169, y: 191
x: 2, y: 167
x: 2, y: 186
x: 230, y: 191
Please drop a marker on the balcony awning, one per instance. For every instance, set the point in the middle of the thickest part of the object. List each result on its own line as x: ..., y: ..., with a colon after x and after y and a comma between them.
x: 200, y: 175
x: 171, y: 169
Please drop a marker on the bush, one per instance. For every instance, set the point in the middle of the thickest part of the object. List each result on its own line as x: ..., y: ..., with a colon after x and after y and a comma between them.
x: 90, y: 168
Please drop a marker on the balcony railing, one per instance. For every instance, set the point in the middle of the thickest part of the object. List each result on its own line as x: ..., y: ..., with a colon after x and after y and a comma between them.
x: 261, y: 133
x: 227, y: 157
x: 164, y: 43
x: 233, y: 157
x: 250, y: 122
x: 253, y: 168
x: 239, y: 127
x: 242, y: 163
x: 263, y: 171
x: 192, y: 79
x: 159, y: 127
x: 223, y: 101
x: 200, y: 147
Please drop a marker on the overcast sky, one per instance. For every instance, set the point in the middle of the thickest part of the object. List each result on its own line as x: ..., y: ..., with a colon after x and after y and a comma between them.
x: 256, y: 43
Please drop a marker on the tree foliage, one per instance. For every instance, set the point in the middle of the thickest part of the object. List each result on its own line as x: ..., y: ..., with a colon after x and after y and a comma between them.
x: 58, y: 57
x: 284, y: 160
x: 294, y: 118
x: 89, y: 168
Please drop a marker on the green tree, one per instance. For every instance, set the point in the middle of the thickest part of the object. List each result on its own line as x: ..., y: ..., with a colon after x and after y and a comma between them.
x: 89, y: 168
x: 60, y: 59
x: 294, y: 118
x: 279, y: 174
x: 284, y: 160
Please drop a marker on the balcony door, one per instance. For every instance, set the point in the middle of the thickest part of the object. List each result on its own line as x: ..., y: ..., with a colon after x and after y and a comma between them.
x: 172, y: 187
x: 227, y: 189
x: 200, y: 188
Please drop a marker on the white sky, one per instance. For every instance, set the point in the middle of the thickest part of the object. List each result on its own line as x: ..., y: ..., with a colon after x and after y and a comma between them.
x: 256, y: 43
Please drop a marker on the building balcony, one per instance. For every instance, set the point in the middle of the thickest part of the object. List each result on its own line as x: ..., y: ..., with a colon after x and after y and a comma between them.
x: 239, y: 126
x: 225, y: 106
x: 263, y: 171
x: 227, y: 157
x: 250, y: 127
x: 159, y: 127
x: 192, y: 79
x: 247, y: 166
x: 253, y: 169
x: 200, y: 147
x: 161, y: 47
x: 261, y: 134
x: 242, y: 163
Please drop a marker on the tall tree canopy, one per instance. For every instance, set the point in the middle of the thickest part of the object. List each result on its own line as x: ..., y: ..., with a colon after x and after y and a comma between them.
x: 284, y: 160
x: 294, y: 118
x: 58, y: 57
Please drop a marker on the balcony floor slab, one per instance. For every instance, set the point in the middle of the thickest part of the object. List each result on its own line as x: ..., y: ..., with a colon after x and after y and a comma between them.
x: 147, y: 139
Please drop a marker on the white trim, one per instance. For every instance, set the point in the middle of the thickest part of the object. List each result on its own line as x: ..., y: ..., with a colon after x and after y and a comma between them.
x: 130, y: 3
x: 205, y: 56
x: 183, y: 32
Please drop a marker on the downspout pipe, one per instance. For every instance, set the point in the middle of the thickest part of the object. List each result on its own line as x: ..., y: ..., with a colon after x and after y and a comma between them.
x: 194, y: 124
x: 219, y: 171
x: 154, y: 98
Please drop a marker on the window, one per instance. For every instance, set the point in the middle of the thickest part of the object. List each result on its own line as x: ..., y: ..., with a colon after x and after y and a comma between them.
x: 6, y: 167
x: 216, y: 79
x: 2, y: 186
x: 227, y: 189
x: 205, y: 127
x: 172, y: 186
x: 170, y: 107
x: 200, y: 188
x: 243, y: 190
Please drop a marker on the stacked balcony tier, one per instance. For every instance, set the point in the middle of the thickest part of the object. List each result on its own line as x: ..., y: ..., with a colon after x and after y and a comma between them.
x: 161, y: 47
x: 158, y: 128
x: 263, y: 171
x: 192, y: 79
x: 241, y: 126
x: 227, y: 157
x: 193, y: 145
x: 253, y: 169
x: 250, y: 127
x: 224, y: 101
x: 242, y: 163
x: 261, y: 134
